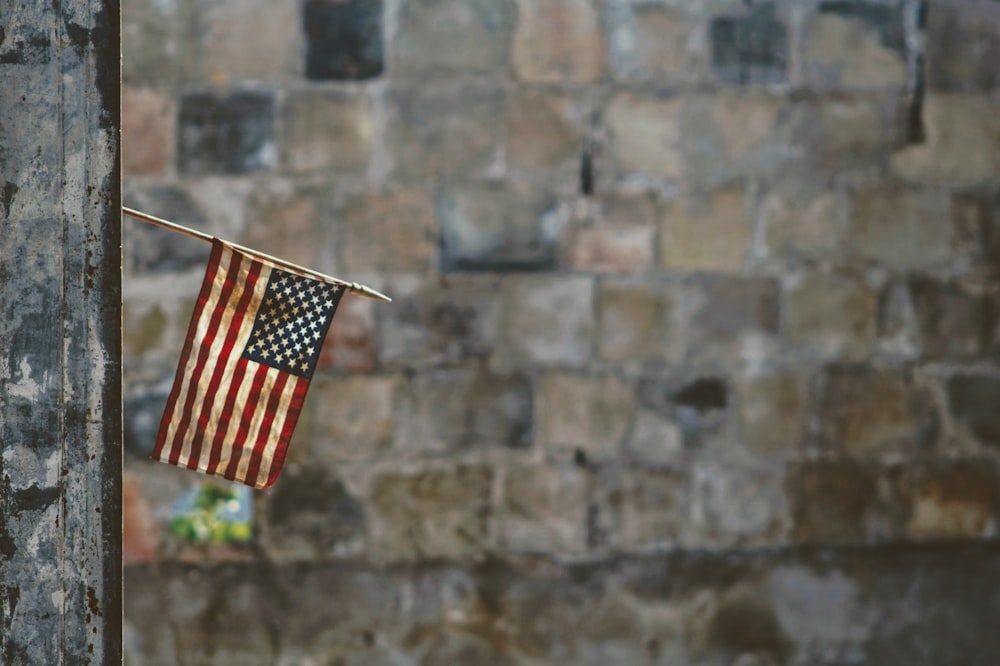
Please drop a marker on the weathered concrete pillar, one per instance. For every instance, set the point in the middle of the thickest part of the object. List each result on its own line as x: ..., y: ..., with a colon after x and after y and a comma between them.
x: 60, y: 316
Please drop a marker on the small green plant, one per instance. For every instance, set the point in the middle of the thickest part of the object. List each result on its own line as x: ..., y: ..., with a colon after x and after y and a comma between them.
x: 213, y: 515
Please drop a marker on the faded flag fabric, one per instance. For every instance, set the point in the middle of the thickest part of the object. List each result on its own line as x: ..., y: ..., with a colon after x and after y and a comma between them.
x: 248, y: 358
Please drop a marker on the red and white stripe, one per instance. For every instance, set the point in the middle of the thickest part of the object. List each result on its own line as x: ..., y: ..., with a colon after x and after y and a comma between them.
x: 228, y: 416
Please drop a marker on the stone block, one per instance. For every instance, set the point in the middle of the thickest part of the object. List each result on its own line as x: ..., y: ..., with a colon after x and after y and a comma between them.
x: 513, y: 227
x: 141, y: 530
x: 726, y: 317
x: 653, y: 505
x: 646, y: 134
x: 327, y: 131
x: 869, y: 412
x: 544, y: 510
x: 447, y: 648
x: 851, y: 44
x: 431, y: 514
x: 148, y: 129
x: 444, y: 129
x: 742, y: 622
x: 546, y: 321
x: 230, y: 25
x: 952, y: 323
x: 632, y: 321
x: 558, y: 41
x: 656, y: 438
x: 973, y: 400
x: 352, y: 342
x: 963, y: 43
x: 387, y: 232
x: 751, y: 48
x: 225, y: 133
x: 589, y: 415
x: 543, y: 129
x: 655, y: 43
x: 457, y: 409
x: 747, y: 124
x: 683, y: 414
x: 312, y: 516
x: 343, y: 39
x: 902, y: 229
x: 962, y: 146
x: 143, y: 332
x: 774, y: 410
x: 620, y: 240
x: 851, y: 134
x: 441, y: 321
x: 834, y: 501
x: 706, y: 234
x: 142, y: 409
x: 355, y: 417
x: 603, y: 248
x: 282, y: 220
x: 451, y: 37
x: 160, y: 42
x: 737, y: 503
x: 953, y: 499
x: 148, y: 249
x: 831, y: 315
x: 800, y: 223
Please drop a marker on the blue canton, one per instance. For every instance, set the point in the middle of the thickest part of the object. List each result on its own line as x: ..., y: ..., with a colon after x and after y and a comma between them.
x: 292, y: 322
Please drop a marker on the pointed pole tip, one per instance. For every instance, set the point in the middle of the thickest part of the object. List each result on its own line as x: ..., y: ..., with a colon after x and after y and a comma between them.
x: 368, y: 292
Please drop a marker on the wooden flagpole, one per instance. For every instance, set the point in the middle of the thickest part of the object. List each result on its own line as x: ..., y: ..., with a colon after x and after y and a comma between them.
x: 359, y: 289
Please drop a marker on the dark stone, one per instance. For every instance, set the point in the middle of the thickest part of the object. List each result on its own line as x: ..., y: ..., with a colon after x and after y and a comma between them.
x: 885, y: 19
x: 743, y: 624
x: 149, y: 249
x: 586, y: 173
x: 974, y: 400
x: 344, y: 39
x: 952, y: 323
x: 225, y: 133
x: 703, y: 394
x: 143, y: 409
x: 470, y: 408
x: 442, y: 322
x: 750, y: 49
x: 864, y: 410
x: 963, y: 46
x: 832, y: 501
x: 309, y: 502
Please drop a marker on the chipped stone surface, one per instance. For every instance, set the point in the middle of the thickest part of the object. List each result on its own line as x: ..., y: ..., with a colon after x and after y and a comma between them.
x: 60, y: 368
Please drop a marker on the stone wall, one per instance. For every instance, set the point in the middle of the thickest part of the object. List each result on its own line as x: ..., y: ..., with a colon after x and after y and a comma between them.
x: 692, y: 358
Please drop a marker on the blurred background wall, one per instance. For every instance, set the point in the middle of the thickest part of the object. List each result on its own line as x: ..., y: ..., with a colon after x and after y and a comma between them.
x: 692, y: 358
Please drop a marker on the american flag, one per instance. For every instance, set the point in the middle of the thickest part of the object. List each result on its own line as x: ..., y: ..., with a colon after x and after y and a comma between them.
x: 250, y: 352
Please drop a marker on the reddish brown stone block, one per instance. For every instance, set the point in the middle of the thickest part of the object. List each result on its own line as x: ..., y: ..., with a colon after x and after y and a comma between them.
x: 147, y: 131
